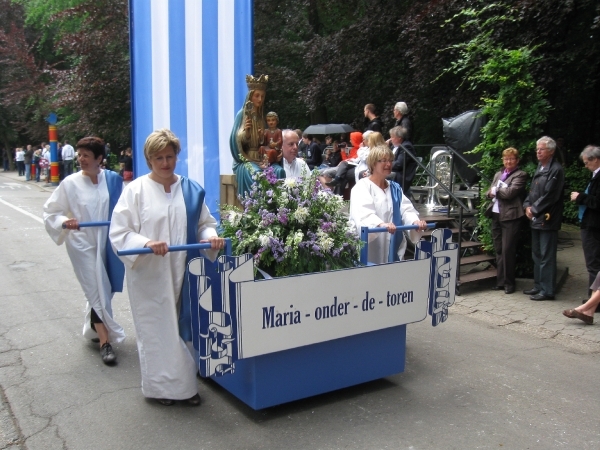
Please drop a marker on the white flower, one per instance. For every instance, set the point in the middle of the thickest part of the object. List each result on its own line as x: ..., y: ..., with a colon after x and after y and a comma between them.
x: 234, y: 218
x: 326, y: 243
x: 324, y: 195
x: 264, y: 239
x: 301, y: 214
x: 298, y: 236
x: 283, y: 198
x: 290, y: 182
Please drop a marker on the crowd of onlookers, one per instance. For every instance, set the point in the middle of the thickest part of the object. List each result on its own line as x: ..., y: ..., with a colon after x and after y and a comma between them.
x: 33, y: 162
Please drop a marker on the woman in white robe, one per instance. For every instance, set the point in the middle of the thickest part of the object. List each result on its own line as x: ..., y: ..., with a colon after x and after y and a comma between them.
x: 372, y: 203
x: 154, y: 212
x: 87, y: 196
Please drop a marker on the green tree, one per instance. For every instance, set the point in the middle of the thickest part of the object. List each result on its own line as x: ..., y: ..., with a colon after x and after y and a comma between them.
x: 514, y: 105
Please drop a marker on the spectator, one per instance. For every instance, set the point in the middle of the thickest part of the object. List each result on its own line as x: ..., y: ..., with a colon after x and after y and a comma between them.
x: 544, y: 208
x: 400, y: 145
x: 37, y: 155
x: 27, y: 161
x: 47, y: 161
x: 370, y: 139
x: 586, y: 311
x: 294, y: 167
x: 346, y: 169
x: 301, y: 145
x: 59, y: 161
x: 68, y: 154
x: 20, y: 159
x: 589, y: 212
x: 332, y: 156
x: 374, y: 122
x: 506, y: 211
x: 126, y: 162
x: 313, y: 152
x: 402, y: 119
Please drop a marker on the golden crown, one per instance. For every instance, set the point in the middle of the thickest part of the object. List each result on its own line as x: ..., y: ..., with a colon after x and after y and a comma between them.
x: 259, y: 83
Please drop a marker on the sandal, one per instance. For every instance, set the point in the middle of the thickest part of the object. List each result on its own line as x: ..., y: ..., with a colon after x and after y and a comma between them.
x: 589, y: 320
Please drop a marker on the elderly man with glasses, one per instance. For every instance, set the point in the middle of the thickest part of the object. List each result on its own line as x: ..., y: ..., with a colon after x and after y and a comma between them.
x: 544, y: 208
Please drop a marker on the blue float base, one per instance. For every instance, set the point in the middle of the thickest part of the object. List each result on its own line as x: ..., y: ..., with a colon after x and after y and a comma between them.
x: 282, y: 377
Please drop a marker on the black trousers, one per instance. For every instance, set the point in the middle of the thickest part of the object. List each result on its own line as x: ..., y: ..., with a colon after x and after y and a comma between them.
x: 505, y: 235
x: 590, y: 241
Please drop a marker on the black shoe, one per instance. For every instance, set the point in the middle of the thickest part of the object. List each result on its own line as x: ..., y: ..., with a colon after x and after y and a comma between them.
x: 95, y: 340
x: 194, y: 401
x: 533, y: 291
x: 541, y: 297
x: 496, y: 288
x: 509, y: 290
x: 165, y: 401
x: 107, y: 353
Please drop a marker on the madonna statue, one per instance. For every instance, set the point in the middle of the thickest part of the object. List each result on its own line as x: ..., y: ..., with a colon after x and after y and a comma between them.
x: 247, y: 136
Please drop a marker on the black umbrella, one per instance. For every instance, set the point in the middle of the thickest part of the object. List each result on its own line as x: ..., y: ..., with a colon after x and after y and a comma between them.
x: 329, y: 128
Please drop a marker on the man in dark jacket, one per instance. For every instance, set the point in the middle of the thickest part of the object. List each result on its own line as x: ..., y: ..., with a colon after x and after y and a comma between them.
x: 402, y: 119
x: 27, y: 159
x: 399, y: 143
x: 544, y: 208
x: 375, y: 123
x: 313, y: 152
x: 589, y: 212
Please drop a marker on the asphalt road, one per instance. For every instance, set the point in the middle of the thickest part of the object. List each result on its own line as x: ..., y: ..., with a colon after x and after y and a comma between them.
x: 468, y: 383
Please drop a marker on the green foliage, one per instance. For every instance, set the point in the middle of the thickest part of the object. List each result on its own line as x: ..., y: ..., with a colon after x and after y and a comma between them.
x: 514, y: 106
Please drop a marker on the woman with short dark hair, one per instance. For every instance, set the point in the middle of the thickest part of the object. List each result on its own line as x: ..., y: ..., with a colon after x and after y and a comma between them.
x: 90, y: 196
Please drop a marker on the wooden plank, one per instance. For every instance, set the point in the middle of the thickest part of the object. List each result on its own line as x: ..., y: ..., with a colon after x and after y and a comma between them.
x: 474, y: 259
x: 476, y: 276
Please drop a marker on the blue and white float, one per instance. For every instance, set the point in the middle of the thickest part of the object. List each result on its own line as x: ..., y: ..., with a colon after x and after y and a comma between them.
x: 274, y: 341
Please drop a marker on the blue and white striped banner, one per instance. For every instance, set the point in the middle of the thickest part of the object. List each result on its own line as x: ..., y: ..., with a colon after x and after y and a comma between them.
x: 189, y: 60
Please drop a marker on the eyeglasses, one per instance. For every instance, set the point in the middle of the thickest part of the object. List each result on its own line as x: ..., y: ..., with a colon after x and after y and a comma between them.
x: 541, y: 149
x: 509, y: 159
x: 384, y: 161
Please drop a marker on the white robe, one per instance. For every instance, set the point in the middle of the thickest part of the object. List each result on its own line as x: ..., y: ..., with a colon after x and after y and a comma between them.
x: 144, y: 213
x: 371, y: 206
x: 77, y: 197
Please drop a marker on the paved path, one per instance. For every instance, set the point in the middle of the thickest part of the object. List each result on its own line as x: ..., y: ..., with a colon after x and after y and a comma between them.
x: 543, y: 318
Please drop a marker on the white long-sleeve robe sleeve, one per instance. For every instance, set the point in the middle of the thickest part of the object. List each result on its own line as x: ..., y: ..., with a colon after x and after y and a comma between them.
x: 371, y: 206
x: 144, y: 213
x: 77, y: 197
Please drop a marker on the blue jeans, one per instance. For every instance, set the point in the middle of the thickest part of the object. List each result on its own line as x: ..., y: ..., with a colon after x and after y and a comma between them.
x: 543, y: 248
x: 27, y: 171
x: 68, y: 167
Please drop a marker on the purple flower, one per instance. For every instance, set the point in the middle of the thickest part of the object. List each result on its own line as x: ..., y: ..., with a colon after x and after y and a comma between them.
x: 238, y: 234
x: 327, y: 227
x: 282, y: 215
x: 270, y: 175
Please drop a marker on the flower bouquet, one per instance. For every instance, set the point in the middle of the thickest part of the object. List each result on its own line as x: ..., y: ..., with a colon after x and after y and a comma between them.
x: 291, y: 226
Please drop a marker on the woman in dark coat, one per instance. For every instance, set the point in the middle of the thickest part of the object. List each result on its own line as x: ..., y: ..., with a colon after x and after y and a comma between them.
x: 589, y: 212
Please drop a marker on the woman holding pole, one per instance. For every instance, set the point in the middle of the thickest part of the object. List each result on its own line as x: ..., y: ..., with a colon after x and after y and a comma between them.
x: 156, y: 211
x: 90, y: 196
